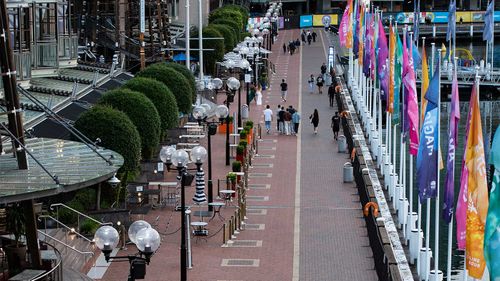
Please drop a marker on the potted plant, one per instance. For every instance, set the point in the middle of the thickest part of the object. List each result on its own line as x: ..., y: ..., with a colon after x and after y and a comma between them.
x: 222, y: 126
x: 249, y: 123
x: 16, y: 224
x: 236, y: 166
x: 244, y: 143
x: 240, y: 152
x: 243, y: 134
x: 231, y: 177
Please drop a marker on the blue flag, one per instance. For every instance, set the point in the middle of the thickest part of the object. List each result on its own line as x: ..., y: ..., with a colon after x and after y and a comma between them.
x: 452, y: 19
x: 489, y: 23
x: 427, y: 156
x: 417, y: 59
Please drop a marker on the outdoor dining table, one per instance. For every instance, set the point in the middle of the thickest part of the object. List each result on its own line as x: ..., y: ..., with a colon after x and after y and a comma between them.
x: 227, y: 196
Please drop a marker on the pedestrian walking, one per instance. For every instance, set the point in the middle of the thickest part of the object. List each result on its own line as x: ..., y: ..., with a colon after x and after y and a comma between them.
x: 278, y: 118
x: 303, y: 36
x: 284, y: 48
x: 258, y: 95
x: 287, y: 118
x: 284, y: 90
x: 309, y: 39
x: 319, y: 83
x: 268, y: 117
x: 323, y: 69
x: 315, y: 120
x: 311, y: 84
x: 314, y: 35
x: 335, y: 125
x: 296, y: 122
x: 331, y: 94
x: 297, y: 43
x: 281, y: 120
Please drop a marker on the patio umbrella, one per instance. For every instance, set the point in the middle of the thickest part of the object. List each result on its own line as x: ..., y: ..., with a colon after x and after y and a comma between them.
x: 182, y: 57
x: 200, y: 197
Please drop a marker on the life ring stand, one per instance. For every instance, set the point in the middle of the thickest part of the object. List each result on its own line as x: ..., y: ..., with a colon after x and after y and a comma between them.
x: 366, y: 209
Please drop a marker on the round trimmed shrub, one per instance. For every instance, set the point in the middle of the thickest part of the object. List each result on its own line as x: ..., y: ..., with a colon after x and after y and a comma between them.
x: 227, y: 14
x: 174, y: 80
x: 218, y: 48
x: 228, y: 34
x: 231, y: 23
x: 116, y: 132
x: 162, y: 98
x: 182, y: 69
x: 141, y: 112
x: 244, y: 12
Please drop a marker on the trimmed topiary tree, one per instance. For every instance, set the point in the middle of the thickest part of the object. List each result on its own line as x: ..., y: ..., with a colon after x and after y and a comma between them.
x: 141, y: 112
x: 227, y: 14
x: 231, y: 23
x: 228, y: 34
x: 175, y: 81
x: 162, y: 98
x: 182, y: 69
x: 116, y: 132
x: 217, y: 45
x: 244, y: 12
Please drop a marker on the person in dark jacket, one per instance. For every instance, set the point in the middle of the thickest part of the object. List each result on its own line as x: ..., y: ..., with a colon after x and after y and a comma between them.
x: 331, y: 94
x: 315, y: 120
x: 284, y: 48
x: 314, y: 35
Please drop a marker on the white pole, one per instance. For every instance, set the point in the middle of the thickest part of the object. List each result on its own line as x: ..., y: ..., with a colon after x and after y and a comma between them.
x: 200, y: 36
x: 187, y: 35
x: 437, y: 209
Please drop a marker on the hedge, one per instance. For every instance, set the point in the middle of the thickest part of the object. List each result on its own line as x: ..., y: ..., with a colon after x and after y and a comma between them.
x: 228, y: 34
x: 174, y: 80
x: 162, y: 98
x: 218, y: 49
x: 182, y: 69
x: 231, y: 23
x: 241, y: 9
x: 116, y: 132
x: 227, y: 14
x: 141, y: 112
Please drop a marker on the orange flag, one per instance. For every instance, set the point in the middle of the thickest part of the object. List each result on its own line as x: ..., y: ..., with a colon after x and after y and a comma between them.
x: 425, y: 84
x: 477, y: 193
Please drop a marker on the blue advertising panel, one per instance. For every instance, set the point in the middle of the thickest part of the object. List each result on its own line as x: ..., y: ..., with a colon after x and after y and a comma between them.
x: 496, y: 17
x: 438, y: 17
x: 306, y: 21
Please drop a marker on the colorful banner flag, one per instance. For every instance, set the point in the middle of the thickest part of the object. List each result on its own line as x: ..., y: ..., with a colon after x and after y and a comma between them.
x: 367, y: 45
x: 398, y: 69
x: 373, y: 51
x: 344, y: 28
x: 492, y: 230
x: 427, y: 156
x: 411, y: 107
x: 356, y: 28
x: 348, y: 43
x: 383, y: 54
x: 417, y: 59
x: 392, y: 65
x: 489, y: 25
x: 461, y: 214
x: 477, y: 194
x: 452, y: 10
x: 416, y: 19
x: 425, y: 84
x: 361, y: 36
x: 449, y: 185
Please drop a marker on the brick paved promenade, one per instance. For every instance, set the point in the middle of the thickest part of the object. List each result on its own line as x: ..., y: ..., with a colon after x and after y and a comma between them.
x: 303, y: 222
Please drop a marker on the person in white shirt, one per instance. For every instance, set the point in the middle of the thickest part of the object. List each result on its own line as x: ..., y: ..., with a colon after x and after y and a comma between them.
x: 268, y: 117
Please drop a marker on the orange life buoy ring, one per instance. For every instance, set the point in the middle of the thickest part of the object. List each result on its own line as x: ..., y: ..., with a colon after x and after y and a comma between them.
x: 374, y: 206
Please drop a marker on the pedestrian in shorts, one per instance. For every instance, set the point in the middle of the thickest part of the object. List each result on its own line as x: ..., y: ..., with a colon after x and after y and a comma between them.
x: 284, y: 90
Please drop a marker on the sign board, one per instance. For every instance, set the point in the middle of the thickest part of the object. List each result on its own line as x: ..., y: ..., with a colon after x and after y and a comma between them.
x: 142, y: 16
x: 248, y: 78
x: 306, y: 21
x: 319, y: 20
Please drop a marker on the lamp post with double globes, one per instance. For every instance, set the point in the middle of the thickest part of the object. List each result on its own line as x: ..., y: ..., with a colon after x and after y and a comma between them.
x: 221, y: 112
x: 141, y: 233
x: 233, y: 84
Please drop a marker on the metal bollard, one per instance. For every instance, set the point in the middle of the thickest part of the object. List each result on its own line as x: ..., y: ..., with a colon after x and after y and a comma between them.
x: 348, y: 172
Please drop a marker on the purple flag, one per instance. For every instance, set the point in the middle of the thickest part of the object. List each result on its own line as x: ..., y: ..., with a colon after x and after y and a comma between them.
x: 367, y: 47
x: 383, y: 55
x: 406, y: 123
x: 450, y: 162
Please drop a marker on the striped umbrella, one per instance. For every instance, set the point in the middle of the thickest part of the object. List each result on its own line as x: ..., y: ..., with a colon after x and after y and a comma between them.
x: 200, y: 197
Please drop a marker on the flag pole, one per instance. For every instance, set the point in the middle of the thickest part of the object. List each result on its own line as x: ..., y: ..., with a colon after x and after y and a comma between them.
x: 436, y: 209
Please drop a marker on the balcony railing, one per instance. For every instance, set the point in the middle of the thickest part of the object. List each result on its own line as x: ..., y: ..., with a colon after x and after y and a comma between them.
x: 56, y: 271
x: 68, y: 47
x: 22, y: 62
x: 45, y: 54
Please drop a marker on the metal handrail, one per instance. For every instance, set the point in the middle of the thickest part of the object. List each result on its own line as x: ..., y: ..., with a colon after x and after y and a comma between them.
x: 80, y: 213
x: 58, y: 266
x: 64, y: 244
x: 65, y: 226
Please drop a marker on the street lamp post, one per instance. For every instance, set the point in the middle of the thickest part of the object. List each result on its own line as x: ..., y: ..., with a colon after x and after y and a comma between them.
x: 221, y: 112
x: 180, y: 158
x: 233, y: 84
x: 141, y: 234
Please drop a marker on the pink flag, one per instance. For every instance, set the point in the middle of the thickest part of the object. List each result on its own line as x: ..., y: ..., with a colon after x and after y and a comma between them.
x: 344, y: 27
x: 411, y: 96
x: 461, y: 214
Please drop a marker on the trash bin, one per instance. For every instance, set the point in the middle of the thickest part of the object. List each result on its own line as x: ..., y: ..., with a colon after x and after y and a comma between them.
x: 342, y: 142
x: 348, y: 172
x: 244, y: 111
